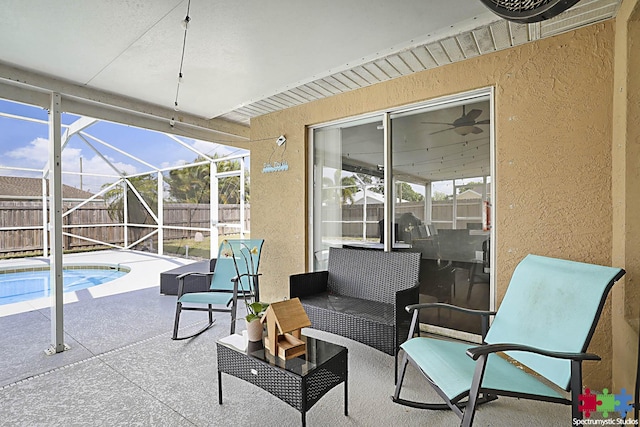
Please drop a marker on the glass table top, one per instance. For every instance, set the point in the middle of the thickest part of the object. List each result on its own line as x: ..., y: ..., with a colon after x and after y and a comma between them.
x: 317, y: 352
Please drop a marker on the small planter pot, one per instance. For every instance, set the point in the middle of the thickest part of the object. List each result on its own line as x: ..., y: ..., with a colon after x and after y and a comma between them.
x: 254, y: 330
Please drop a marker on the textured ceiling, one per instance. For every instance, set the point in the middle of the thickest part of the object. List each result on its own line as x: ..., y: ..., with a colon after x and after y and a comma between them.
x: 247, y: 58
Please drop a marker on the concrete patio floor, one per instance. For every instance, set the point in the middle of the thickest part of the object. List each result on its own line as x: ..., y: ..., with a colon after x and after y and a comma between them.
x: 123, y: 369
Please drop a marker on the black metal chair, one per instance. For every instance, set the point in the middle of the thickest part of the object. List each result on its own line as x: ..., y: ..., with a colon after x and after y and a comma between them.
x: 235, y: 276
x: 545, y: 322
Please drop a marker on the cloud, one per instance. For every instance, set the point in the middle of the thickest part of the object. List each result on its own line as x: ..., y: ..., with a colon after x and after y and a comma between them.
x: 210, y: 148
x: 92, y: 166
x: 35, y: 155
x: 173, y: 163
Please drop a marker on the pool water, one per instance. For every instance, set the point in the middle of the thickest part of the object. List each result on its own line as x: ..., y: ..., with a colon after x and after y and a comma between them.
x: 27, y: 285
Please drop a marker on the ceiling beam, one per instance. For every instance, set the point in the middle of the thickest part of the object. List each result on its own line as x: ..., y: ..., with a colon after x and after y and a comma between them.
x: 26, y: 86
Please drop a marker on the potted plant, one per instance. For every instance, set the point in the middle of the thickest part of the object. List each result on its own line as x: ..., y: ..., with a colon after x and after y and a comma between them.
x: 255, y: 311
x: 243, y: 255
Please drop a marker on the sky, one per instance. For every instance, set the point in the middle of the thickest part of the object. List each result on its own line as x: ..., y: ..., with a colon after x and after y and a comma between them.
x: 24, y: 145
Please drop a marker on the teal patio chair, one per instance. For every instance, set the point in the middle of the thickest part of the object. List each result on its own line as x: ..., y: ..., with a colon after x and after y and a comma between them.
x: 545, y: 322
x: 235, y: 276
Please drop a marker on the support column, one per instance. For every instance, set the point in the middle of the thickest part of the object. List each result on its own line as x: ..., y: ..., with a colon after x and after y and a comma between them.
x: 242, y: 200
x: 625, y: 180
x: 389, y: 198
x: 213, y: 210
x: 125, y: 211
x: 45, y: 219
x: 55, y: 225
x: 160, y: 213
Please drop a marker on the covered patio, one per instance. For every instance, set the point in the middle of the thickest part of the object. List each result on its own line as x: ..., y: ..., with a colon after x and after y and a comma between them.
x: 122, y: 368
x: 560, y: 121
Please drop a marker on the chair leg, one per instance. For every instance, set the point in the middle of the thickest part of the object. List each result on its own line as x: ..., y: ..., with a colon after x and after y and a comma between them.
x: 478, y: 375
x: 233, y: 319
x: 576, y: 389
x: 177, y: 320
x: 472, y: 274
x: 403, y: 369
x: 395, y: 370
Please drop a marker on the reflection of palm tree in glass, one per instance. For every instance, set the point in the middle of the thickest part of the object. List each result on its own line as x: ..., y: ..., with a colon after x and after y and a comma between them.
x: 344, y: 194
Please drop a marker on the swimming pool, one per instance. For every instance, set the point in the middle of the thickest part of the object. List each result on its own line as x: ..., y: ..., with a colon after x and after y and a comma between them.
x: 25, y: 283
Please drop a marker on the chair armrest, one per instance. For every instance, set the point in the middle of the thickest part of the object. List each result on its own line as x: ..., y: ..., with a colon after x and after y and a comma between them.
x: 305, y: 284
x: 476, y: 352
x: 413, y: 307
x: 484, y: 314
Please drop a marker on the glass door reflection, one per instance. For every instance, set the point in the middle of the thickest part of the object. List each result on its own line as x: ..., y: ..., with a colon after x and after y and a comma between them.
x: 442, y: 190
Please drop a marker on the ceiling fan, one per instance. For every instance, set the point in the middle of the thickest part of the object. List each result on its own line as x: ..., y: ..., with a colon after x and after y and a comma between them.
x: 463, y: 125
x: 528, y: 11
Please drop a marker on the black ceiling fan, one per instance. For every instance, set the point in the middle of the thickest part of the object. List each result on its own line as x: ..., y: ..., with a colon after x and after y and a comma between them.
x: 528, y: 11
x: 463, y: 125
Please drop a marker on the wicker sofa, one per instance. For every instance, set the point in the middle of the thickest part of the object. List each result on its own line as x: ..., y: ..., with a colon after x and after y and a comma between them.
x: 362, y: 295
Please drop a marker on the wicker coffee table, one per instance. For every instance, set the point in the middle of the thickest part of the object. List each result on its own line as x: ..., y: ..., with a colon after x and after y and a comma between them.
x: 300, y: 381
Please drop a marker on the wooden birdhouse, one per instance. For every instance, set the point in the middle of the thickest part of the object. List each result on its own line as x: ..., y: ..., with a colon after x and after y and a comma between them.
x: 285, y: 320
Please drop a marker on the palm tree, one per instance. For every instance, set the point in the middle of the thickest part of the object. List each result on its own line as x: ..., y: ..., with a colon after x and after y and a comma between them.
x: 192, y: 184
x: 146, y: 185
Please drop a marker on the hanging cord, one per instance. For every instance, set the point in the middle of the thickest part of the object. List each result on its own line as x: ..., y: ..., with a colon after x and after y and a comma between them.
x: 274, y: 151
x: 283, y: 151
x: 185, y: 23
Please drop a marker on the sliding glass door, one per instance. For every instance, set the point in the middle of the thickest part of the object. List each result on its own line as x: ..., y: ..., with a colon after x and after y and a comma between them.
x: 348, y: 191
x: 437, y: 198
x: 441, y: 158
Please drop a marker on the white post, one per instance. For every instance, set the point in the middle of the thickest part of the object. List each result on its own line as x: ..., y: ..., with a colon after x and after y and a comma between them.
x: 454, y: 209
x: 242, y: 195
x: 389, y: 238
x: 125, y: 212
x: 160, y: 213
x: 55, y: 214
x: 428, y: 204
x: 364, y: 213
x: 45, y: 220
x: 213, y: 210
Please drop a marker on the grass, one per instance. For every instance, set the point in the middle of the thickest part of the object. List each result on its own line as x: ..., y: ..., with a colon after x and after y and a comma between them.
x: 178, y: 247
x: 196, y: 249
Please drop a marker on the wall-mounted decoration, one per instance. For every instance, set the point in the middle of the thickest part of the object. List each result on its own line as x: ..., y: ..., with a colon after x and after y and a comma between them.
x: 277, y: 166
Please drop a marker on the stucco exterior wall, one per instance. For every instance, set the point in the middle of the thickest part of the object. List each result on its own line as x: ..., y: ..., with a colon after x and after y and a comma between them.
x: 625, y: 184
x: 553, y: 123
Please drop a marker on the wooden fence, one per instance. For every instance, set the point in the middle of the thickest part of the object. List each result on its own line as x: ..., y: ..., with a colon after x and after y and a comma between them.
x: 441, y: 213
x: 21, y: 225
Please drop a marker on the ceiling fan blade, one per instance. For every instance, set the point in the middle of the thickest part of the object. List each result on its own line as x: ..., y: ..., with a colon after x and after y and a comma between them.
x: 473, y: 114
x: 443, y: 130
x: 483, y: 122
x: 437, y: 123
